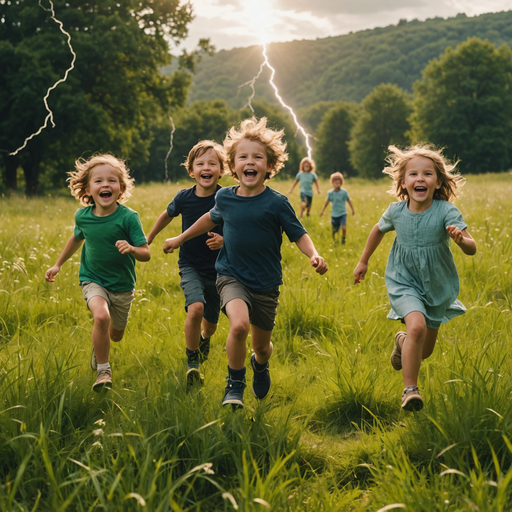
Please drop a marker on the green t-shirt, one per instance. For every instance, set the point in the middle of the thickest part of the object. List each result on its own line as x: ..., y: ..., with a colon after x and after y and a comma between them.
x: 338, y: 199
x: 101, y: 262
x: 306, y: 180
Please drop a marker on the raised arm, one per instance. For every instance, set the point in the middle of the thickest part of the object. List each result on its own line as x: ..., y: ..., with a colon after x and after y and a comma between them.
x: 463, y: 239
x: 200, y: 226
x: 306, y: 246
x: 163, y: 221
x: 374, y: 239
x: 72, y: 245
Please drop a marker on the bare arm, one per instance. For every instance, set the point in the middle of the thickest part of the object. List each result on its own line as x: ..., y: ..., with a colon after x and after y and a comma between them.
x: 374, y: 239
x: 293, y: 186
x: 306, y: 246
x: 200, y: 226
x: 140, y: 253
x: 463, y: 239
x: 162, y: 222
x: 317, y: 186
x: 324, y: 207
x: 351, y: 207
x: 72, y: 245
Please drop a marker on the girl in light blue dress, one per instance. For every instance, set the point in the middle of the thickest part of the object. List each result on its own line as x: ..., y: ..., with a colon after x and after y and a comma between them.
x: 421, y: 277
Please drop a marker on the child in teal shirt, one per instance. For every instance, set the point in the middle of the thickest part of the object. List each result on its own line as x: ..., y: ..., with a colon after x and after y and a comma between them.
x: 306, y: 177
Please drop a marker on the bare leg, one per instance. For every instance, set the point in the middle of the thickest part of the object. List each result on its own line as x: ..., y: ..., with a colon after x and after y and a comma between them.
x: 238, y: 314
x: 412, y: 349
x: 302, y: 208
x: 430, y: 343
x: 116, y: 334
x: 100, y: 332
x: 261, y: 344
x: 344, y: 229
x: 208, y: 328
x: 193, y: 325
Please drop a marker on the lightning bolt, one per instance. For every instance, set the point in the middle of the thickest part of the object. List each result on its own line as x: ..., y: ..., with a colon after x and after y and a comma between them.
x: 276, y: 91
x: 171, y: 145
x: 49, y: 117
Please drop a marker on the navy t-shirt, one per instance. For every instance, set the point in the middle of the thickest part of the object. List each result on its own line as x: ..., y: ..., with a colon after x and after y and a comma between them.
x: 195, y: 253
x: 253, y: 233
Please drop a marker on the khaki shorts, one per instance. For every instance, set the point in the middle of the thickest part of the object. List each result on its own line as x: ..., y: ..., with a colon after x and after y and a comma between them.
x: 119, y: 303
x: 262, y: 306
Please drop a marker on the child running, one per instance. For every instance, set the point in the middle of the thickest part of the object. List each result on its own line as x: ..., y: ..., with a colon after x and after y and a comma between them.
x: 205, y: 164
x: 306, y: 177
x: 249, y: 270
x: 114, y: 239
x: 421, y: 277
x: 338, y: 197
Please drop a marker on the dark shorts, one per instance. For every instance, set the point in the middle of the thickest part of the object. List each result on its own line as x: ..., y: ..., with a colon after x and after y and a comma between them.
x: 306, y: 199
x: 337, y: 222
x: 262, y: 306
x: 199, y: 287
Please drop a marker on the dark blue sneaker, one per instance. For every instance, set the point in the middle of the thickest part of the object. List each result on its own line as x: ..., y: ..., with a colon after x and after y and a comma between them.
x: 204, y: 348
x: 261, y: 380
x: 234, y: 393
x: 194, y: 377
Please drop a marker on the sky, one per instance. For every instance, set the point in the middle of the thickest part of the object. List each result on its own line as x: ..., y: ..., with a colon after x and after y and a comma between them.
x: 239, y: 23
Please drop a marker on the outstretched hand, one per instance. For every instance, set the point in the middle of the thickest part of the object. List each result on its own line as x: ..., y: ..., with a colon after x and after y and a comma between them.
x: 360, y: 272
x: 320, y: 264
x: 215, y: 241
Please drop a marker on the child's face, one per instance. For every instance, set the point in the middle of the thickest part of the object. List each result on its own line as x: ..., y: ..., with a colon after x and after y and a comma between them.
x: 420, y: 180
x: 104, y: 187
x: 251, y: 166
x: 336, y: 183
x: 306, y: 167
x: 206, y: 170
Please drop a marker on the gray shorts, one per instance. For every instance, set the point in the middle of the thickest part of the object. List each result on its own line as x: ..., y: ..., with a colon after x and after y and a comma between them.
x: 119, y: 303
x: 262, y: 306
x: 199, y: 287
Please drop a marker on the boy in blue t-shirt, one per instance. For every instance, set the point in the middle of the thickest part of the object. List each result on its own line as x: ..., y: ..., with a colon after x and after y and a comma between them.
x: 205, y: 164
x: 306, y: 177
x: 253, y: 218
x: 338, y: 197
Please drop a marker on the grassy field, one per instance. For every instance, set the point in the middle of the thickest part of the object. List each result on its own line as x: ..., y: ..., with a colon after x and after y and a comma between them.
x: 332, y: 435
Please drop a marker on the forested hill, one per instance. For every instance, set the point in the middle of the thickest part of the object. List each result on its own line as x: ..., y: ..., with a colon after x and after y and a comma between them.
x: 345, y: 67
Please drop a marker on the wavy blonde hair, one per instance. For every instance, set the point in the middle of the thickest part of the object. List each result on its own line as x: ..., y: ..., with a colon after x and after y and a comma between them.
x: 257, y: 130
x: 311, y: 163
x: 80, y: 177
x: 200, y: 149
x: 397, y: 160
x: 337, y: 176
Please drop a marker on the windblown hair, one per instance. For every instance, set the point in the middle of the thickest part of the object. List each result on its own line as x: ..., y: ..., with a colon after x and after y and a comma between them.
x: 397, y: 160
x: 255, y: 130
x: 311, y: 163
x: 200, y: 149
x: 80, y: 177
x: 337, y: 176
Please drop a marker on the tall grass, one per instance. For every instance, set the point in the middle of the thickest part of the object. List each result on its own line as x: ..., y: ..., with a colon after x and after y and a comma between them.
x: 330, y: 437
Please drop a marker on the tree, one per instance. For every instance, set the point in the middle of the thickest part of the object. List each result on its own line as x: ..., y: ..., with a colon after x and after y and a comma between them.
x: 382, y: 121
x: 111, y: 97
x: 333, y: 135
x: 312, y: 116
x: 464, y: 102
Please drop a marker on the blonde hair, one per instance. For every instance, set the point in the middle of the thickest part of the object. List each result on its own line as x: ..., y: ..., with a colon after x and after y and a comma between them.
x: 336, y: 176
x: 311, y: 163
x: 252, y: 129
x: 200, y: 149
x: 451, y: 180
x: 80, y: 177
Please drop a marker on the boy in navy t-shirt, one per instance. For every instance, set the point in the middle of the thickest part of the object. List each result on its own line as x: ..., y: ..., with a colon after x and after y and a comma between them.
x: 253, y: 218
x: 205, y: 164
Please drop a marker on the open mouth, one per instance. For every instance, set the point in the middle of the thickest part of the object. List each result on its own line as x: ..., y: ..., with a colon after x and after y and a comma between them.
x: 206, y: 176
x: 105, y: 194
x: 250, y: 173
x: 420, y: 189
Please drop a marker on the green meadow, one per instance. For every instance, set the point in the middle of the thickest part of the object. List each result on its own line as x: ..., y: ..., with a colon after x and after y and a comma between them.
x: 330, y: 437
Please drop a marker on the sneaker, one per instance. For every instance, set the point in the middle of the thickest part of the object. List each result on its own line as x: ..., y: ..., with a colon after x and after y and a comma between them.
x: 193, y: 376
x: 343, y: 241
x: 103, y: 380
x: 94, y: 362
x: 261, y: 380
x: 411, y: 399
x: 396, y: 355
x: 204, y: 348
x: 234, y: 393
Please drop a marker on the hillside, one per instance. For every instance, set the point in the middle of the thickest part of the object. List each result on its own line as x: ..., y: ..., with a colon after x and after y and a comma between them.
x: 345, y: 67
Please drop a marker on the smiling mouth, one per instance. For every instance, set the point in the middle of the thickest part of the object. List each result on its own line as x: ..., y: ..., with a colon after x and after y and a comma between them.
x: 105, y: 195
x: 250, y: 173
x: 206, y: 176
x: 420, y: 189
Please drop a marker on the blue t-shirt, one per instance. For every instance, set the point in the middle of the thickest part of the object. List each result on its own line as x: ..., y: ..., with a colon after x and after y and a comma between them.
x: 253, y: 234
x: 338, y: 198
x: 195, y: 253
x: 306, y: 180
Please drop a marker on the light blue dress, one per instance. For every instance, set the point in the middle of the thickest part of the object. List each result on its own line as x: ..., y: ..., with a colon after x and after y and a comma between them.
x: 421, y: 274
